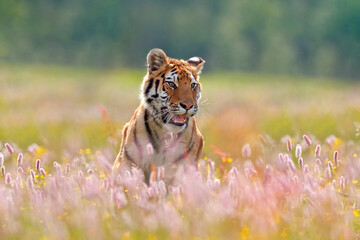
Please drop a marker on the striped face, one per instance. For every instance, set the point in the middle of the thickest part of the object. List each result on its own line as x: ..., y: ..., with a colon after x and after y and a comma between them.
x: 171, y: 89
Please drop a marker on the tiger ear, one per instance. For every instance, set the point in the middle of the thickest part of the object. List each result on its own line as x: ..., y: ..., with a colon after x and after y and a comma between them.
x: 156, y: 59
x: 197, y: 62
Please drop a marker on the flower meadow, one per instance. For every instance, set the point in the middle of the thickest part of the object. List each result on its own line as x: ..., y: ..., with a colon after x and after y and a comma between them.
x: 60, y: 129
x: 297, y: 188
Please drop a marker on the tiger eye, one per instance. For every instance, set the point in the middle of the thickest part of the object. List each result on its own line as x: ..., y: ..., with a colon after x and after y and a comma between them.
x: 171, y: 84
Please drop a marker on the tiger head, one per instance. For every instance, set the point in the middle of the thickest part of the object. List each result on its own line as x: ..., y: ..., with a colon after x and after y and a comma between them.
x: 171, y: 89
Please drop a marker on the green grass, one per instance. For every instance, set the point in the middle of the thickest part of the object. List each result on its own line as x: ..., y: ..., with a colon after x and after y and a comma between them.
x: 51, y: 105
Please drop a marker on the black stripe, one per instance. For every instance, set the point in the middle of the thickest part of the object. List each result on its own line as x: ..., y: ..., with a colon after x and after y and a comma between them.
x: 149, y: 86
x: 149, y: 132
x: 156, y: 95
x: 155, y: 118
x: 162, y: 76
x: 128, y: 156
x: 137, y: 143
x: 191, y: 146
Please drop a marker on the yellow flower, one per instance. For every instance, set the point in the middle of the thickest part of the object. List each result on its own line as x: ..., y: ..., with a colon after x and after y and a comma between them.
x: 245, y: 232
x: 40, y: 150
x: 356, y: 213
x: 229, y: 160
x: 355, y: 181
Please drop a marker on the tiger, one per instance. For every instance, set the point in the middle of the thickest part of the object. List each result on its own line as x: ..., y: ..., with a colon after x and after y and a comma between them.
x: 163, y: 129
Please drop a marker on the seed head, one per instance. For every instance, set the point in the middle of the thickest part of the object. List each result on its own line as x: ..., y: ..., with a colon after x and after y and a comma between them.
x: 32, y: 174
x: 8, y: 179
x: 334, y: 183
x: 328, y: 172
x: 307, y: 140
x: 80, y: 174
x: 330, y: 165
x: 316, y: 169
x: 37, y: 164
x: 306, y: 169
x: 317, y: 151
x: 301, y: 162
x: 67, y: 168
x: 19, y: 159
x: 1, y: 159
x: 9, y: 148
x: 298, y: 151
x: 42, y: 171
x: 234, y: 172
x: 342, y: 183
x: 336, y: 158
x: 246, y: 150
x: 288, y: 144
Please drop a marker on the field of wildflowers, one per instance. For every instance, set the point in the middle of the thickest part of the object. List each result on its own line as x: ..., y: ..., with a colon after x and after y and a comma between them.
x: 281, y: 160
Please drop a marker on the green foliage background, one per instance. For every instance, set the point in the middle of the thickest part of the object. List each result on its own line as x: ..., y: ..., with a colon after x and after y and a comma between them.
x: 307, y: 37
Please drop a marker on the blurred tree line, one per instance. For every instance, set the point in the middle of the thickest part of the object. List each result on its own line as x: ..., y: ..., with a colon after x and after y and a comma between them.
x: 311, y: 37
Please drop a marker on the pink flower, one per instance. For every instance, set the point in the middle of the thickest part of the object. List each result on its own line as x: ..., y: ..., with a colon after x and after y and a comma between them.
x: 301, y: 162
x: 334, y: 184
x: 9, y: 148
x: 288, y: 144
x: 234, y: 172
x: 32, y: 174
x: 316, y: 170
x: 67, y: 168
x: 246, y: 150
x: 328, y: 173
x: 336, y: 158
x: 307, y: 140
x: 8, y: 179
x: 342, y: 183
x: 317, y: 151
x: 291, y: 165
x: 306, y: 169
x: 19, y: 159
x: 1, y: 159
x: 2, y: 170
x: 298, y: 151
x: 37, y: 164
x: 42, y: 171
x: 330, y: 165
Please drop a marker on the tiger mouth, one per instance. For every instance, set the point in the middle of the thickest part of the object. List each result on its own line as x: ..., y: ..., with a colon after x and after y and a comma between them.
x: 179, y: 120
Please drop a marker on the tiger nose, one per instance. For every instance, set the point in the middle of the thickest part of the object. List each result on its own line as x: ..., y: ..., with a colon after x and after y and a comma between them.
x: 187, y: 105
